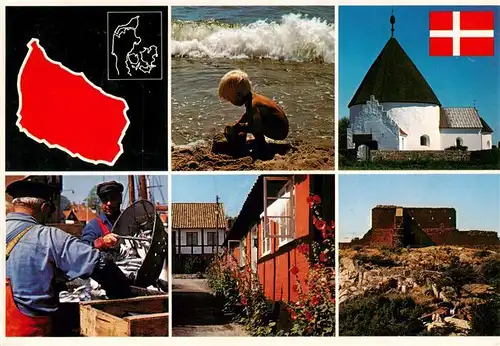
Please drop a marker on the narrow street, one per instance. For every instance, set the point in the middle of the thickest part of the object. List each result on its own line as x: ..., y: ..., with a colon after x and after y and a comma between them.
x: 195, y: 311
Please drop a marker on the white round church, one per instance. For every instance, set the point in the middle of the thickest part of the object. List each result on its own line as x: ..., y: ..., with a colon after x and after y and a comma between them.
x: 395, y: 108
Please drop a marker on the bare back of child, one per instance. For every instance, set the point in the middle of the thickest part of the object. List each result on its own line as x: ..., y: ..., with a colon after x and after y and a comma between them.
x: 262, y: 118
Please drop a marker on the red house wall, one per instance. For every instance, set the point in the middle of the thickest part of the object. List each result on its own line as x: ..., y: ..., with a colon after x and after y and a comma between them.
x: 274, y: 273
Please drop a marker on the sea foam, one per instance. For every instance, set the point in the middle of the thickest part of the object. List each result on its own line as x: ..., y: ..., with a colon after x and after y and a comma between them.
x: 295, y: 37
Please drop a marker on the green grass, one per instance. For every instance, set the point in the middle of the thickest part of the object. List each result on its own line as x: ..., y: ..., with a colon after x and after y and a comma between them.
x: 413, y: 164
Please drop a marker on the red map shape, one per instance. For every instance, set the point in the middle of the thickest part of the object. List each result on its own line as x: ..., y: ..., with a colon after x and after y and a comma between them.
x: 64, y: 110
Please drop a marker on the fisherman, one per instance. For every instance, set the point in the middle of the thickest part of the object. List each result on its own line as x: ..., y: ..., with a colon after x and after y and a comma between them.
x: 36, y: 254
x: 97, y: 232
x: 262, y: 117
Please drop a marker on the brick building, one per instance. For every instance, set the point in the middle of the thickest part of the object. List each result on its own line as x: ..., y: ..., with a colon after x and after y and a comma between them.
x: 396, y: 226
x: 272, y: 251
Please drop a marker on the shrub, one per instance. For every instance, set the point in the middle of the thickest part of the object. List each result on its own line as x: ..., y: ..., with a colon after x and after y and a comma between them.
x: 455, y: 147
x: 222, y: 281
x: 378, y: 315
x: 375, y: 260
x: 490, y: 272
x: 486, y: 319
x: 481, y: 254
x: 192, y: 264
x: 314, y: 312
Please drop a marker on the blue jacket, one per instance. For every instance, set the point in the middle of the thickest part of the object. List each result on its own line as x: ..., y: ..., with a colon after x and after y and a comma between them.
x: 41, y: 254
x: 92, y: 229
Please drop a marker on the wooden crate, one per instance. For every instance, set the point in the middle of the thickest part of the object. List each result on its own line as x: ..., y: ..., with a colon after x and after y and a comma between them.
x: 111, y: 317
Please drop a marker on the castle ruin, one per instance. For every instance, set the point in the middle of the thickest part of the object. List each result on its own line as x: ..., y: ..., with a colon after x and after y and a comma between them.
x: 397, y: 226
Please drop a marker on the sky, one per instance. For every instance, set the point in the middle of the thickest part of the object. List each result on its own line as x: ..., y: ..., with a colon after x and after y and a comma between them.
x: 456, y: 81
x: 474, y: 197
x: 232, y: 189
x: 77, y: 188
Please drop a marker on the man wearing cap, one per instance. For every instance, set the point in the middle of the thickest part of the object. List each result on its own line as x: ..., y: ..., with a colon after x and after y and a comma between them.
x: 98, y: 231
x: 36, y: 254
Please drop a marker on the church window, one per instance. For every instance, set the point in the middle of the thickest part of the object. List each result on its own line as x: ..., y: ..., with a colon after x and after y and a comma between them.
x: 460, y: 142
x: 424, y: 140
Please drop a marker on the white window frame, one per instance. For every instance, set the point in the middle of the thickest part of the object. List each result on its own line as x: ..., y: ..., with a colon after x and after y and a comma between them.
x: 243, y: 251
x: 197, y: 238
x: 215, y: 238
x: 265, y: 241
x: 285, y: 234
x: 287, y: 225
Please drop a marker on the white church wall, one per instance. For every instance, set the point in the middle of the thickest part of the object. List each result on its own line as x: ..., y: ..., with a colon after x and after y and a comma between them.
x: 471, y: 138
x: 371, y: 118
x: 487, y: 140
x: 416, y: 120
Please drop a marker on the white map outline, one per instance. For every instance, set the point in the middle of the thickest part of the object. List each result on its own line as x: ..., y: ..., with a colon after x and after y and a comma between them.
x: 78, y: 74
x: 119, y: 30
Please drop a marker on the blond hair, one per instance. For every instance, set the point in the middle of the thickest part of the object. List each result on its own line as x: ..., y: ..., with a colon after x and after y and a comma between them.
x: 231, y: 83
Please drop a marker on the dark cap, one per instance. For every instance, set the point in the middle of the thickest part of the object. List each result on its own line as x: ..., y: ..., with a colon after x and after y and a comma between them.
x: 31, y: 186
x: 107, y: 187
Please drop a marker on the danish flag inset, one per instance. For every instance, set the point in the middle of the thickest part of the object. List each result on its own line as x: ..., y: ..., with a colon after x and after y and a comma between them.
x: 464, y: 33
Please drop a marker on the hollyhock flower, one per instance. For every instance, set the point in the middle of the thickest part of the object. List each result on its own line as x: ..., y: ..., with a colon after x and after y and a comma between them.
x: 303, y: 249
x: 294, y: 270
x: 323, y: 257
x: 309, y: 316
x: 320, y: 225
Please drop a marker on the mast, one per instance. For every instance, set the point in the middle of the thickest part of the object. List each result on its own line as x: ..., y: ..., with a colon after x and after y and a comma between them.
x: 143, y: 193
x: 131, y: 189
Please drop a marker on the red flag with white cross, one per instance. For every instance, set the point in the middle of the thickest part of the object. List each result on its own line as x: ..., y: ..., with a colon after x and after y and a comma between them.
x: 461, y: 33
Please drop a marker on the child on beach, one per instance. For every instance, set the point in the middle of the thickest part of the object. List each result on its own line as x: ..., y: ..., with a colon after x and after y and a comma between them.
x: 263, y: 117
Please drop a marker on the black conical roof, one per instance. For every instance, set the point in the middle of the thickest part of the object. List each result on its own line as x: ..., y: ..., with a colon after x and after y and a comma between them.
x: 393, y: 77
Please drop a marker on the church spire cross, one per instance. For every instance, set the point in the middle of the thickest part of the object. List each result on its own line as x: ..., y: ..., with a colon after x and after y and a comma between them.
x: 393, y: 20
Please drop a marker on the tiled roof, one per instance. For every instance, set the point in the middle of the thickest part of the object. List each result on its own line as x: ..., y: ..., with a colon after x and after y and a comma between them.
x: 197, y: 215
x: 81, y: 214
x: 486, y: 127
x: 393, y: 77
x: 460, y: 118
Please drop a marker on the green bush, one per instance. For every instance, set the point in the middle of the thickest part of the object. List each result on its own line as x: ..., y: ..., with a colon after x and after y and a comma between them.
x: 490, y: 272
x: 486, y: 319
x: 375, y: 260
x: 378, y: 315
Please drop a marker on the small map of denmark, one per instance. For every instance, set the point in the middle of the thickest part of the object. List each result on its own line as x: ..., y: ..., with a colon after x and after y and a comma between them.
x: 63, y: 109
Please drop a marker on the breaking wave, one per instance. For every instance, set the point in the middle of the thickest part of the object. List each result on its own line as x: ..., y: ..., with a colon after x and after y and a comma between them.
x: 295, y: 37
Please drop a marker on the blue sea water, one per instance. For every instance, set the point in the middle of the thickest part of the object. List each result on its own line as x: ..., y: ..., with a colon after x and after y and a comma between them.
x: 287, y: 51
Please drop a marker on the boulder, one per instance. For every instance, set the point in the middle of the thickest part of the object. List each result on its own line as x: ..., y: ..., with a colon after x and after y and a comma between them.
x: 462, y: 324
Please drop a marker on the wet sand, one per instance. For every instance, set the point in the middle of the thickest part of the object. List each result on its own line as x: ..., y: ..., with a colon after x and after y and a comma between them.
x: 315, y: 154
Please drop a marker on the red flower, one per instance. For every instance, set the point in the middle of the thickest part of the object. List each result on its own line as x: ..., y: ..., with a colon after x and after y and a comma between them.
x: 333, y: 224
x: 293, y: 315
x: 315, y: 300
x: 313, y: 199
x: 320, y: 225
x: 309, y: 316
x: 316, y: 199
x: 295, y: 288
x: 244, y: 301
x: 322, y: 257
x: 303, y: 249
x: 294, y: 270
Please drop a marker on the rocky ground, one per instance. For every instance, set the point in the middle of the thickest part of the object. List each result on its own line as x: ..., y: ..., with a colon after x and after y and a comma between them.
x: 215, y: 155
x: 446, y: 282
